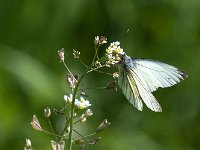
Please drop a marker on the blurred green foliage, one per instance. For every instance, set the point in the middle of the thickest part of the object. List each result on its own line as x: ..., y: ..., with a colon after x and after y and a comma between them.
x: 31, y: 32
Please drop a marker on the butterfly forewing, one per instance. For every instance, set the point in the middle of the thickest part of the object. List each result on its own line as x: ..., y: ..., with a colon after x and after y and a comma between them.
x: 154, y: 74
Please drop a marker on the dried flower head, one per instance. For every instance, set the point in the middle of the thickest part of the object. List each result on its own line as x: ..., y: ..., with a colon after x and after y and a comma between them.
x: 84, y: 94
x: 76, y: 53
x: 28, y: 145
x: 100, y: 40
x: 103, y: 125
x: 57, y: 145
x: 93, y: 141
x: 97, y: 64
x: 36, y: 124
x: 112, y: 86
x: 61, y: 54
x: 72, y: 80
x: 47, y: 112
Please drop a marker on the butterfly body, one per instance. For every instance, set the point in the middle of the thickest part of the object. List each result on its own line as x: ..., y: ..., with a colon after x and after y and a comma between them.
x: 138, y: 78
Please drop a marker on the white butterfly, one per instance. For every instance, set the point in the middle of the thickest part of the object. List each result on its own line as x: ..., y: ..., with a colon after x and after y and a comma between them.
x: 138, y: 78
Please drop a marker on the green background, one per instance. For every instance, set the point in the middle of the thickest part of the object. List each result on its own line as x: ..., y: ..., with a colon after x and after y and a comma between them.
x: 31, y: 77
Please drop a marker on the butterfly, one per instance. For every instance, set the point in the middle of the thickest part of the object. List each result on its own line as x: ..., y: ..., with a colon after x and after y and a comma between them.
x: 138, y: 78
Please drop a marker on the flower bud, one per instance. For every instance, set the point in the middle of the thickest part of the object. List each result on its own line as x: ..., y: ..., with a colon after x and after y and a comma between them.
x: 112, y: 86
x: 72, y: 80
x: 28, y: 145
x: 47, y: 112
x: 96, y: 40
x: 61, y: 54
x: 97, y: 64
x: 103, y: 125
x: 57, y: 145
x: 84, y: 94
x: 94, y: 141
x: 100, y: 40
x: 88, y: 113
x: 76, y: 53
x: 68, y: 130
x: 83, y: 118
x: 115, y: 75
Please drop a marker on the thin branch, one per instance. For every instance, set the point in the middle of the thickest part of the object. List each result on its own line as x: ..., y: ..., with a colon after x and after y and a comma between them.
x: 69, y: 71
x: 47, y: 132
x: 78, y: 133
x: 50, y: 125
x: 86, y: 136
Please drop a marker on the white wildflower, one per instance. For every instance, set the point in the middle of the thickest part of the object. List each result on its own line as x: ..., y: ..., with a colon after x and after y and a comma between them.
x: 114, y: 53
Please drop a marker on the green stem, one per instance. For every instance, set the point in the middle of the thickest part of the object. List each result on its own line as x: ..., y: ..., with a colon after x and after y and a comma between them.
x: 69, y: 70
x: 72, y: 112
x: 86, y: 136
x: 83, y: 63
x: 73, y: 106
x: 96, y: 54
x: 50, y: 125
x: 56, y: 135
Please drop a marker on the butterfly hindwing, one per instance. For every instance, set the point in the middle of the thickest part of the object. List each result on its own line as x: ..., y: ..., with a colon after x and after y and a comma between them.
x: 128, y: 86
x: 146, y: 95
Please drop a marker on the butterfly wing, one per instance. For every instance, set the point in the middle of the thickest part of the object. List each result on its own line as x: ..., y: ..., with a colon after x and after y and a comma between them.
x: 127, y: 84
x: 145, y: 94
x: 143, y: 76
x: 155, y: 74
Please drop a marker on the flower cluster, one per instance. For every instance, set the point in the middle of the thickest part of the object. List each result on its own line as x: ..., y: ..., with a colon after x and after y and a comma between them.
x: 113, y: 53
x: 80, y: 104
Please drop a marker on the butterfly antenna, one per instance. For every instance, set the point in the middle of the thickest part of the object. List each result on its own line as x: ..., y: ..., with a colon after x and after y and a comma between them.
x: 126, y: 36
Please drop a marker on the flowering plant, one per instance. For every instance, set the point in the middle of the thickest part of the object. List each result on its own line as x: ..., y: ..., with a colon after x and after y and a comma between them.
x: 76, y: 102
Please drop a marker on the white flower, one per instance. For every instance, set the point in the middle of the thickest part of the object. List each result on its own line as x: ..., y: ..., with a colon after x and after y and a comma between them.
x: 82, y: 104
x: 88, y: 113
x: 117, y: 43
x: 85, y: 102
x: 68, y: 99
x: 113, y: 53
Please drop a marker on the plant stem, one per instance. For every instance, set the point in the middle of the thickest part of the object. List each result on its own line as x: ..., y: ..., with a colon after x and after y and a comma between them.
x: 96, y: 54
x: 86, y: 136
x: 50, y: 125
x: 56, y: 135
x: 73, y: 106
x: 69, y: 70
x: 72, y: 112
